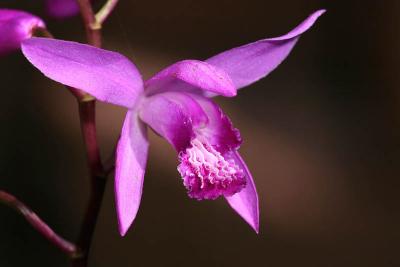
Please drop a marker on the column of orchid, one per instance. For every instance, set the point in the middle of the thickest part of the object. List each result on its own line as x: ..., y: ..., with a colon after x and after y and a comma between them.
x: 176, y: 103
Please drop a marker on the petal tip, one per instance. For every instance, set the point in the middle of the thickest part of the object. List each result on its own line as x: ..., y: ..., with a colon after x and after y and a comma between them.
x: 256, y: 228
x: 318, y: 13
x: 122, y: 229
x: 254, y: 223
x: 233, y: 92
x: 314, y: 16
x: 124, y: 222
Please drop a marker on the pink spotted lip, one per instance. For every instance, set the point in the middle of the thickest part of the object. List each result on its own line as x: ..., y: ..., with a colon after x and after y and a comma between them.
x: 207, y: 174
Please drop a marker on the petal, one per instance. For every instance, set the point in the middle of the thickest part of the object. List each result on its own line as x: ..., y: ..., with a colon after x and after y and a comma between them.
x: 191, y: 75
x: 245, y: 203
x: 62, y: 8
x: 219, y: 131
x: 106, y: 75
x: 173, y: 115
x: 129, y: 171
x: 249, y: 63
x: 16, y: 26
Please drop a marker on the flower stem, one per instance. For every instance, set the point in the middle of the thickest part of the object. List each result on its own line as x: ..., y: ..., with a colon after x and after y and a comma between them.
x: 97, y: 179
x: 105, y: 11
x: 67, y: 247
x: 87, y: 115
x: 93, y: 29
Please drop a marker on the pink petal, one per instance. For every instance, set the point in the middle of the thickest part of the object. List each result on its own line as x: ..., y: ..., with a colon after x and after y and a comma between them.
x: 106, y: 75
x: 62, y: 8
x: 245, y: 203
x: 129, y: 171
x: 16, y: 26
x: 249, y: 63
x: 191, y: 75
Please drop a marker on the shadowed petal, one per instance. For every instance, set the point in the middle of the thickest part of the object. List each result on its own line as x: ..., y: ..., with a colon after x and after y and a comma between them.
x: 245, y: 203
x: 191, y: 75
x: 173, y: 116
x: 16, y: 26
x: 129, y: 171
x: 106, y: 75
x: 249, y: 63
x: 62, y: 8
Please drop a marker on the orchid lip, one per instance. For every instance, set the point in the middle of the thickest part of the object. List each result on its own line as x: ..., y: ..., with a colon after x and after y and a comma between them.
x: 207, y: 174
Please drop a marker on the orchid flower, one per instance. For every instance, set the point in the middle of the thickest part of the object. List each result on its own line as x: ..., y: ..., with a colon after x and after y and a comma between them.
x: 16, y: 26
x: 176, y: 103
x: 62, y: 8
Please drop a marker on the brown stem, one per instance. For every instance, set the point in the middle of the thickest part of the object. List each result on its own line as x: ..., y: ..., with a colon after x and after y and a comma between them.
x: 93, y: 29
x: 97, y: 179
x: 70, y: 249
x: 87, y: 114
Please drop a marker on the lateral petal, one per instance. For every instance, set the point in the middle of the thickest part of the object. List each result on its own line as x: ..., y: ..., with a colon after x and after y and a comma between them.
x: 249, y: 63
x: 130, y: 169
x: 245, y: 203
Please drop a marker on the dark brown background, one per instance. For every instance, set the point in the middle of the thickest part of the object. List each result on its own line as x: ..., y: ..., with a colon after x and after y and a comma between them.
x: 321, y: 133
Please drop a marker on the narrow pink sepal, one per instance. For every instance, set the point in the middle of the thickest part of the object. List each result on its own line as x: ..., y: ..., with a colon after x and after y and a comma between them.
x: 245, y: 203
x: 130, y: 167
x: 249, y: 63
x: 106, y: 75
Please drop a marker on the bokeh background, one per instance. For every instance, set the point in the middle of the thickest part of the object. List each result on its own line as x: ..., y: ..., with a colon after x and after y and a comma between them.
x: 321, y: 137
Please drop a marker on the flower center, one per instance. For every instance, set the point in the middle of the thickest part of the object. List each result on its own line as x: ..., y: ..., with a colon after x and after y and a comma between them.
x: 207, y: 174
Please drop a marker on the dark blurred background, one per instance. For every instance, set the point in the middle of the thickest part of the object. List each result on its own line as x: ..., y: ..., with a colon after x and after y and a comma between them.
x: 321, y: 137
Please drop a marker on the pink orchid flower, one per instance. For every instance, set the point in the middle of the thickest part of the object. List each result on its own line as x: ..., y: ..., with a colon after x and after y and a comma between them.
x: 176, y: 103
x: 16, y: 26
x: 62, y: 9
